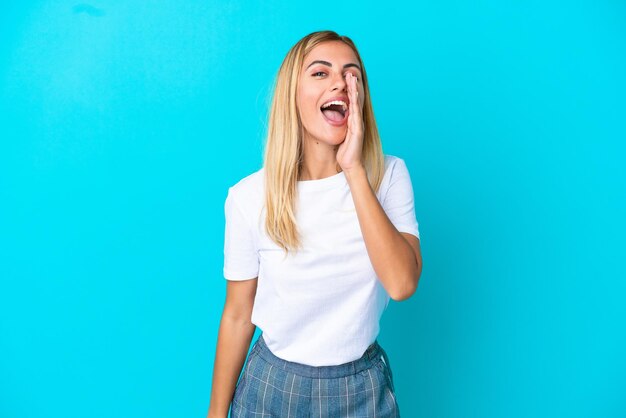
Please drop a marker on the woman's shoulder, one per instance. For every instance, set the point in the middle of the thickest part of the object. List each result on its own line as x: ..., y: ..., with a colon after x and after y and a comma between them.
x: 249, y: 187
x: 391, y: 161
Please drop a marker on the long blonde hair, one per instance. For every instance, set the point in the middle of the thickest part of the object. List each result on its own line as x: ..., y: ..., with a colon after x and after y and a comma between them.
x: 284, y: 147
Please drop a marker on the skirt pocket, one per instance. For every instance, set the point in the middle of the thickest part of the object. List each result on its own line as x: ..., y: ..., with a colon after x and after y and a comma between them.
x: 241, y: 384
x: 390, y: 393
x: 387, y: 369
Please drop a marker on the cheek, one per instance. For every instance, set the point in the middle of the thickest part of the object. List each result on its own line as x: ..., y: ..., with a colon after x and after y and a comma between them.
x: 308, y: 104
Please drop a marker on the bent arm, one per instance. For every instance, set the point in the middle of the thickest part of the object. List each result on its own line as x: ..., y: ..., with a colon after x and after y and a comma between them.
x: 395, y: 256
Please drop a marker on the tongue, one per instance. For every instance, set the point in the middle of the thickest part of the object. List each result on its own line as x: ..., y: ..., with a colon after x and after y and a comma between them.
x: 333, y: 115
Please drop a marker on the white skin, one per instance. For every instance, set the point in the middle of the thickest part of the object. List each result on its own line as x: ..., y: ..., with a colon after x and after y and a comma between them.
x: 326, y: 146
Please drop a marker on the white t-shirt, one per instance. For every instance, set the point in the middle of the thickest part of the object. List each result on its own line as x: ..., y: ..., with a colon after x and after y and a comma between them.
x: 320, y: 306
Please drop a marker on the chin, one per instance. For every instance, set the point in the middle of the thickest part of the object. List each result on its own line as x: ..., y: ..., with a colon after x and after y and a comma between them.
x: 333, y: 136
x: 336, y: 138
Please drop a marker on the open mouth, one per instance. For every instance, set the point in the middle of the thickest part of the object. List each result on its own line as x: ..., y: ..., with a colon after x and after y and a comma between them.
x: 335, y: 111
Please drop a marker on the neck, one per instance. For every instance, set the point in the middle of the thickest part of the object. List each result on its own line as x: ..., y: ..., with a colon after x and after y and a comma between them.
x: 319, y: 160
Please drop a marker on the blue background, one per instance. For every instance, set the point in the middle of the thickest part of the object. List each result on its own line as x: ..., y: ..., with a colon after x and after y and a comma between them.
x: 122, y: 124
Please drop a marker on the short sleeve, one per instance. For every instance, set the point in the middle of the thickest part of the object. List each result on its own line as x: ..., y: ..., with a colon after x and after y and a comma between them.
x: 241, y: 260
x: 398, y: 202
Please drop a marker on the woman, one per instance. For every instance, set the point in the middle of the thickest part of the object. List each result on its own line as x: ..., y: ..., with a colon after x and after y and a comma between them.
x: 316, y: 243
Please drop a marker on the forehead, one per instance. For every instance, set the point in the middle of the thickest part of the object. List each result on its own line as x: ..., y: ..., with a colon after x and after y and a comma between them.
x: 336, y: 52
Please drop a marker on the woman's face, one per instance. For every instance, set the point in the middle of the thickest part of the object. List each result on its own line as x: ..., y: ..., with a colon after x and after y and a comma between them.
x: 322, y: 80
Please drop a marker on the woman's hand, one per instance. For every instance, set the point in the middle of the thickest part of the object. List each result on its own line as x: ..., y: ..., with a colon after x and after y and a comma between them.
x: 349, y: 154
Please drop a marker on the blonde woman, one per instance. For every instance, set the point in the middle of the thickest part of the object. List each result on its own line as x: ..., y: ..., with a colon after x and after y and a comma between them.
x: 317, y: 241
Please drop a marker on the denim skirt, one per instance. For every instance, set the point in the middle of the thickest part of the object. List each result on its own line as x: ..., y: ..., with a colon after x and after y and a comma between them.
x: 272, y: 387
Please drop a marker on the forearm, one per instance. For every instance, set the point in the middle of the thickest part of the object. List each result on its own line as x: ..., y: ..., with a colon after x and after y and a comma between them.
x: 233, y: 342
x: 391, y: 255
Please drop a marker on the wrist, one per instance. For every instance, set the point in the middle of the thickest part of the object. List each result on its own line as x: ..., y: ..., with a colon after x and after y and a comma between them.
x: 213, y: 413
x: 355, y: 172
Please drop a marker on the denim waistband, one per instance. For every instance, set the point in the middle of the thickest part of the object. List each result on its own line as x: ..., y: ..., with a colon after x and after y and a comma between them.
x: 373, y: 354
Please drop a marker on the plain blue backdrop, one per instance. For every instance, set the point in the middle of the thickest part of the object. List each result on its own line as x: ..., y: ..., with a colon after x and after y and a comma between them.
x: 122, y: 124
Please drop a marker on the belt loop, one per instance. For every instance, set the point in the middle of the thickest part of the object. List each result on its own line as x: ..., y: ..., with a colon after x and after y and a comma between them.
x: 373, y: 350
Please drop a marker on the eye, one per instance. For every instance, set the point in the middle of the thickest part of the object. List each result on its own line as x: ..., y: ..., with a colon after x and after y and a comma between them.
x: 315, y: 74
x: 354, y: 74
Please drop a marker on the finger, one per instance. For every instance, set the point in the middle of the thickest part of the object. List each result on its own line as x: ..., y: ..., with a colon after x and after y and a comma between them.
x: 358, y: 93
x: 354, y: 99
x: 354, y: 108
x: 350, y: 95
x: 352, y: 84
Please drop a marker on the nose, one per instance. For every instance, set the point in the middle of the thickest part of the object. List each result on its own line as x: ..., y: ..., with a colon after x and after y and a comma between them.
x: 339, y: 82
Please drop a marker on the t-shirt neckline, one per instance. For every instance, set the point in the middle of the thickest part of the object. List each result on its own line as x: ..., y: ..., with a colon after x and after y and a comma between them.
x: 325, y: 183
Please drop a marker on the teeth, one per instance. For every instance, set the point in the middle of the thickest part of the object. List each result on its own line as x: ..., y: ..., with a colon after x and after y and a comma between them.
x: 336, y: 102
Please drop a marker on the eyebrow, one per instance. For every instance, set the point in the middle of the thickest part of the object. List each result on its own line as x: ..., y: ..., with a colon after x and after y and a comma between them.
x: 330, y: 65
